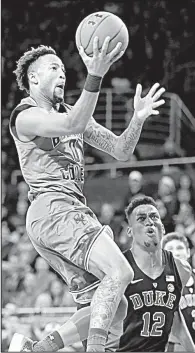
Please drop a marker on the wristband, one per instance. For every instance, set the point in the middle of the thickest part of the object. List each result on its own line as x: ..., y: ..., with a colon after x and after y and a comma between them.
x: 93, y: 83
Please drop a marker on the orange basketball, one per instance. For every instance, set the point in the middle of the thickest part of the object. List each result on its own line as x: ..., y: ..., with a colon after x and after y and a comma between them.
x: 101, y: 24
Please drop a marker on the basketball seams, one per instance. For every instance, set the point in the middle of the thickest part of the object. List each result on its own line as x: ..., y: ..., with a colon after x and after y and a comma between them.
x: 94, y: 31
x: 117, y: 33
x: 112, y: 37
x: 82, y: 24
x: 91, y: 27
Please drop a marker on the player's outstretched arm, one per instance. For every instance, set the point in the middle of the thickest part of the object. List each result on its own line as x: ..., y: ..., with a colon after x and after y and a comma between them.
x: 38, y: 122
x: 143, y: 108
x: 122, y: 147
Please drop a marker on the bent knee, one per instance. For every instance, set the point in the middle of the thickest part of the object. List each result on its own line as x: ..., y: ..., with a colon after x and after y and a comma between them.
x: 124, y: 273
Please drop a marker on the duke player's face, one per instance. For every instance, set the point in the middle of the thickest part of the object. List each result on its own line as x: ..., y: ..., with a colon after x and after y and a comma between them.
x: 146, y: 227
x: 51, y: 78
x: 178, y: 248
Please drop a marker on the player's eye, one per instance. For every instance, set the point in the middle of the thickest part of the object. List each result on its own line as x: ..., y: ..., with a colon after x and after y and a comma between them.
x: 141, y: 218
x: 54, y: 67
x: 154, y: 216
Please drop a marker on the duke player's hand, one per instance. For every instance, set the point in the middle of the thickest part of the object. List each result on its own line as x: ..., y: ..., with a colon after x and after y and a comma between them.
x: 100, y: 62
x: 144, y: 107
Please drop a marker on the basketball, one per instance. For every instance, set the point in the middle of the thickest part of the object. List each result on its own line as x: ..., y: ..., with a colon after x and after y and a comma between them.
x: 101, y: 24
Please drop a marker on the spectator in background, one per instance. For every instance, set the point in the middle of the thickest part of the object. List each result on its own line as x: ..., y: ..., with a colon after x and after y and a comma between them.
x: 185, y: 223
x: 43, y: 300
x: 107, y: 211
x: 27, y: 296
x: 60, y: 295
x: 185, y: 184
x: 44, y: 277
x: 167, y: 194
x: 22, y: 189
x: 161, y: 209
x: 135, y: 182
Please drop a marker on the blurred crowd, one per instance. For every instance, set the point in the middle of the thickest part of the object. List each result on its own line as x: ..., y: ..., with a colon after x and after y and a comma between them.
x: 28, y: 281
x: 161, y: 49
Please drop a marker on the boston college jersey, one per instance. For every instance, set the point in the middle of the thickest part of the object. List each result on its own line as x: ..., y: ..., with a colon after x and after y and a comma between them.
x: 151, y: 307
x: 187, y: 304
x: 50, y: 164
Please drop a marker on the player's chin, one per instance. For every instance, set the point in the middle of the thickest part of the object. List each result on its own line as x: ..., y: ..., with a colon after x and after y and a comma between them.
x: 58, y: 98
x: 151, y: 244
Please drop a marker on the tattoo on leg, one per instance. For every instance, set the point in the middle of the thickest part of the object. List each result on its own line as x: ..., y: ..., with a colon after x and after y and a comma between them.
x: 105, y: 302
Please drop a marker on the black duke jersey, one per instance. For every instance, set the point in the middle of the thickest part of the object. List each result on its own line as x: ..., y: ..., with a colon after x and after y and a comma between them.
x: 151, y: 307
x: 187, y: 304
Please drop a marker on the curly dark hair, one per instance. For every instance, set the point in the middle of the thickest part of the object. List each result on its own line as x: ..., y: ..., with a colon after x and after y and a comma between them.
x: 25, y: 61
x: 138, y: 201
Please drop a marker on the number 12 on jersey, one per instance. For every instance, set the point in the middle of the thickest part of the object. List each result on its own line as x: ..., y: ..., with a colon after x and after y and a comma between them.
x: 158, y: 320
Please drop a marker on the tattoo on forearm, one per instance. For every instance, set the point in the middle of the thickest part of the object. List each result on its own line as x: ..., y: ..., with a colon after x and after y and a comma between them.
x: 103, y: 140
x: 105, y: 302
x: 130, y: 137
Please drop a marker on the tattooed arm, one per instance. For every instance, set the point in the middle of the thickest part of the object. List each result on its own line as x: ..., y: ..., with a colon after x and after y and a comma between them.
x: 122, y: 147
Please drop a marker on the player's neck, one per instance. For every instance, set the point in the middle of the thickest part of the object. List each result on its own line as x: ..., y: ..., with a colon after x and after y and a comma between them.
x: 147, y: 259
x: 42, y: 101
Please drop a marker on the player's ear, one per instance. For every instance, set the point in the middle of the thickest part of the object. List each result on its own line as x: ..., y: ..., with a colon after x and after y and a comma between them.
x: 33, y: 78
x: 129, y: 232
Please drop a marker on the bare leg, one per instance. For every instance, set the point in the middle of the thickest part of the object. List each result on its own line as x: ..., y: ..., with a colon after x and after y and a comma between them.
x: 107, y: 261
x: 77, y: 327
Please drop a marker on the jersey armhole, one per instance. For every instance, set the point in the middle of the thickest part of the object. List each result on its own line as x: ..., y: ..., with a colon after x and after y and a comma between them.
x: 12, y: 124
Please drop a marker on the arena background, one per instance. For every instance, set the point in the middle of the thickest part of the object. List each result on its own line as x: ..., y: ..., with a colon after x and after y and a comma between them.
x: 161, y: 49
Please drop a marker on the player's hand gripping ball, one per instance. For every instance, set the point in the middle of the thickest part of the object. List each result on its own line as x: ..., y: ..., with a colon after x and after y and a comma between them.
x: 101, y: 24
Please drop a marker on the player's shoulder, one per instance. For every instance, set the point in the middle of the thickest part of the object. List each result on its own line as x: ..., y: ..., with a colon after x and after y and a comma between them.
x: 24, y: 105
x: 128, y: 255
x: 27, y: 101
x: 184, y: 270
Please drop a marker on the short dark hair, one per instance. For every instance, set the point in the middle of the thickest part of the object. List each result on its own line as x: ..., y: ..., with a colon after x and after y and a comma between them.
x: 26, y: 60
x: 138, y: 201
x: 174, y: 236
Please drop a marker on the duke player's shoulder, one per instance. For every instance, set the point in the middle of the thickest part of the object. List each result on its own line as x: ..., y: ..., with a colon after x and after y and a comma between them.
x: 127, y: 253
x: 184, y: 270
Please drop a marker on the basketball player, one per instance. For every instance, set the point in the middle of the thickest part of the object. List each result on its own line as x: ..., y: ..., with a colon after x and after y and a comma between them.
x: 154, y: 293
x: 49, y: 137
x: 179, y: 247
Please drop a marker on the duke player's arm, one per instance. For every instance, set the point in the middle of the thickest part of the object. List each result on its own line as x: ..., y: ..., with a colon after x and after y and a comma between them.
x: 184, y: 270
x: 37, y: 121
x: 179, y: 327
x: 181, y: 333
x: 120, y: 147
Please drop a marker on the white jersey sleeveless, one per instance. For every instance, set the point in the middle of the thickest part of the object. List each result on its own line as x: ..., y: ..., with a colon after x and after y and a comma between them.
x: 50, y: 164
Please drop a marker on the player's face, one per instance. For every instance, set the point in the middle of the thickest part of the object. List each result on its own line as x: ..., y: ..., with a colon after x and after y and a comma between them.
x: 178, y: 248
x: 146, y: 227
x: 51, y: 77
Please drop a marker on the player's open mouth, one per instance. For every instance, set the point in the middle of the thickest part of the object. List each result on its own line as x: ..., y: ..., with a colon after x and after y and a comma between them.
x: 60, y: 86
x: 150, y: 232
